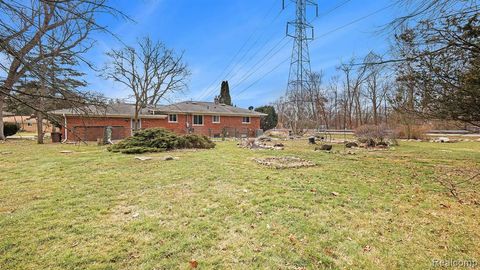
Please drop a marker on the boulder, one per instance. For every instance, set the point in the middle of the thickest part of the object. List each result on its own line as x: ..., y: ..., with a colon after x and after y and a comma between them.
x: 351, y: 144
x: 324, y: 147
x: 382, y: 144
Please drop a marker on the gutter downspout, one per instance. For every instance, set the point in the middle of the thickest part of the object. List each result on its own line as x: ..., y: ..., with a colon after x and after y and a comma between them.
x: 65, y: 127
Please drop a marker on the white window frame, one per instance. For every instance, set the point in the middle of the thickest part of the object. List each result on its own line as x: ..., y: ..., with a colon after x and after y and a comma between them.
x: 193, y: 120
x: 249, y: 120
x: 213, y: 119
x: 176, y: 118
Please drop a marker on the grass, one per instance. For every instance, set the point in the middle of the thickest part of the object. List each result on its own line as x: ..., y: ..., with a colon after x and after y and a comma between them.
x: 92, y: 209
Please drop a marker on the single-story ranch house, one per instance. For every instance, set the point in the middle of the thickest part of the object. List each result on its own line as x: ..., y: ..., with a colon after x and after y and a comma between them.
x: 206, y: 118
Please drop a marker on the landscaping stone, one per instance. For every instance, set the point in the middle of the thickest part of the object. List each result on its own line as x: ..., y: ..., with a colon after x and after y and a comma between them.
x: 382, y: 144
x: 351, y: 144
x: 324, y: 147
x: 442, y: 140
x: 143, y: 158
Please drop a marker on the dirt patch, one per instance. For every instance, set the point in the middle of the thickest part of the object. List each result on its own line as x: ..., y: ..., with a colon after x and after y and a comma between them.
x: 284, y: 162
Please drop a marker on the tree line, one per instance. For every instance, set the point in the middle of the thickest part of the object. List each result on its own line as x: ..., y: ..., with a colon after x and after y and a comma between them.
x: 431, y: 72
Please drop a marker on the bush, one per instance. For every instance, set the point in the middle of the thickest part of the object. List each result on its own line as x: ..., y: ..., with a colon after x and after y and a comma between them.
x: 416, y: 132
x: 371, y: 134
x: 10, y: 129
x: 159, y: 140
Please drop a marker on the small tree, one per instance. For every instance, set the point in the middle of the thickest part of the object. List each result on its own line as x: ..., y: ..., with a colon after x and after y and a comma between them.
x: 225, y: 94
x: 270, y: 121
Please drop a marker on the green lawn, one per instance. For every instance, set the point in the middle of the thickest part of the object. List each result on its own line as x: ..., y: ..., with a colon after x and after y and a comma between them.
x: 92, y: 209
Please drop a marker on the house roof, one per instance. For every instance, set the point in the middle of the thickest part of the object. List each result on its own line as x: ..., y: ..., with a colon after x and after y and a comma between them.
x: 128, y: 110
x: 201, y: 107
x: 114, y: 109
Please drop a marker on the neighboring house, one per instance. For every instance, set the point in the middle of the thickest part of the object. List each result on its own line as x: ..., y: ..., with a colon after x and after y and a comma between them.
x: 27, y: 123
x: 206, y: 118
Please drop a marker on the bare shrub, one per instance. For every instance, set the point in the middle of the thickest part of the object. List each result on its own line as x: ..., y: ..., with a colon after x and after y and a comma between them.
x: 371, y: 134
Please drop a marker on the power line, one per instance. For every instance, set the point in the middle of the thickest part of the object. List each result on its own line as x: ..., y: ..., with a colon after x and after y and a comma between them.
x: 209, y: 88
x: 357, y: 20
x: 323, y: 35
x: 265, y: 75
x: 253, y: 70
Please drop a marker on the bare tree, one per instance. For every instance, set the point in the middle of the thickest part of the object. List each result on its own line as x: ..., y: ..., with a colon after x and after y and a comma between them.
x: 26, y: 24
x: 151, y: 72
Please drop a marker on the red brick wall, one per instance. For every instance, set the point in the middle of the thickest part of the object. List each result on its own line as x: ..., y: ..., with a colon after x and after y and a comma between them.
x: 78, y: 127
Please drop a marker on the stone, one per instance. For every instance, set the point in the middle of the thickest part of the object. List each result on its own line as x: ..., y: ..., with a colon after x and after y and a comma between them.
x: 66, y: 152
x: 443, y: 140
x: 143, y: 158
x: 168, y: 158
x: 278, y: 145
x: 351, y: 144
x: 6, y: 153
x: 324, y: 147
x: 382, y: 144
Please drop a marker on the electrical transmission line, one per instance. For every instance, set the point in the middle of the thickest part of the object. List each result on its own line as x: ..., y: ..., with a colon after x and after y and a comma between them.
x: 230, y: 68
x: 322, y: 35
x: 302, y: 35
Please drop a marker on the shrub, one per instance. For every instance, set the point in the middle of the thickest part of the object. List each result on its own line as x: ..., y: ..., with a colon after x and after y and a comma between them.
x: 10, y: 129
x: 371, y: 134
x: 416, y: 132
x: 159, y: 140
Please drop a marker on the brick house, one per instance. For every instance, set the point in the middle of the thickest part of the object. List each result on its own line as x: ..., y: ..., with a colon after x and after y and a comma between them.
x: 206, y: 118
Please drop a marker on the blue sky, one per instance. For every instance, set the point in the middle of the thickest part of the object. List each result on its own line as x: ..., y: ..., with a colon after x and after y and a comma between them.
x: 212, y: 32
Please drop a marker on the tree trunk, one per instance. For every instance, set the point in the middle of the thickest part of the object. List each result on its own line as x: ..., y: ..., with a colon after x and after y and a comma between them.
x: 2, y: 137
x: 40, y: 133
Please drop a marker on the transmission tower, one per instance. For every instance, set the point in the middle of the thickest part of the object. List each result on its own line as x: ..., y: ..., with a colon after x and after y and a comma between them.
x: 302, y: 32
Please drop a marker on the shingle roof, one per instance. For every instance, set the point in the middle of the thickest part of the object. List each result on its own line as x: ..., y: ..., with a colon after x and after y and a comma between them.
x: 117, y: 109
x: 128, y: 110
x: 202, y: 107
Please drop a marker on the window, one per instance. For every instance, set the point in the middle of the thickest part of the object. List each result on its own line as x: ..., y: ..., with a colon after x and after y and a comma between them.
x: 198, y: 120
x: 246, y: 120
x: 216, y: 119
x: 172, y: 118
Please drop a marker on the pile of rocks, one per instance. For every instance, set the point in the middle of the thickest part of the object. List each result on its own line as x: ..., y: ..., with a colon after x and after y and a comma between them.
x: 284, y: 162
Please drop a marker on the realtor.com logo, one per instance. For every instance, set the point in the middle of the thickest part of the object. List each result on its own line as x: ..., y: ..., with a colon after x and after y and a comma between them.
x: 451, y: 263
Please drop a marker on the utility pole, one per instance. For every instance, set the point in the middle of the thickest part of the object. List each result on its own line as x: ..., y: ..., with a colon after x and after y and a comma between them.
x: 302, y: 32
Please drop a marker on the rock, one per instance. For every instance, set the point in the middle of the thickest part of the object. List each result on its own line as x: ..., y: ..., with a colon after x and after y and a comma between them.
x: 324, y: 147
x: 311, y: 140
x: 443, y: 140
x: 370, y: 143
x: 135, y: 215
x: 169, y: 158
x: 66, y: 152
x: 6, y: 153
x: 335, y: 193
x: 143, y: 158
x: 264, y: 139
x: 382, y: 144
x: 278, y: 145
x: 351, y: 144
